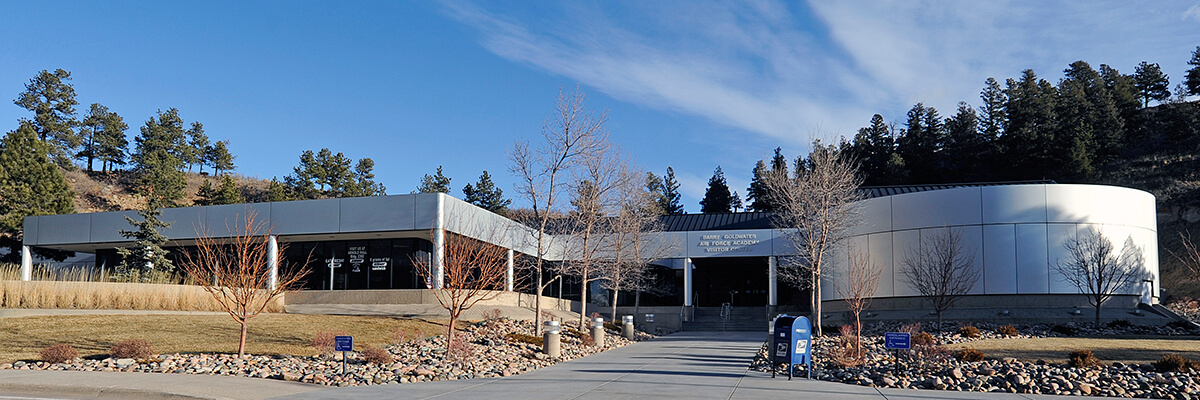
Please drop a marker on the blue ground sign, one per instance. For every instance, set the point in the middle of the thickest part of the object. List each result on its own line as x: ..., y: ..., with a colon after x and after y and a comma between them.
x: 897, y: 340
x: 343, y: 343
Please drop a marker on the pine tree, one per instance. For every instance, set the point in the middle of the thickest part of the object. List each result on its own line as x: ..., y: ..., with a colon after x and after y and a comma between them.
x: 735, y: 202
x: 197, y: 149
x: 991, y: 113
x: 228, y: 192
x: 654, y: 187
x: 364, y: 180
x: 277, y: 191
x: 1123, y: 92
x: 327, y: 174
x: 51, y: 98
x: 30, y: 184
x: 486, y: 195
x: 436, y: 183
x: 206, y: 195
x: 921, y: 143
x: 1029, y: 127
x: 669, y: 202
x: 157, y: 158
x: 717, y: 198
x: 1192, y: 79
x: 756, y: 194
x: 146, y: 255
x: 1151, y: 83
x: 219, y: 157
x: 967, y: 150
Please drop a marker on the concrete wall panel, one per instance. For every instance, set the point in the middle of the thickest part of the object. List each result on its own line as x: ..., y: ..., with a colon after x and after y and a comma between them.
x: 107, y: 226
x: 377, y: 213
x: 306, y: 217
x: 68, y: 228
x: 230, y: 218
x: 186, y: 222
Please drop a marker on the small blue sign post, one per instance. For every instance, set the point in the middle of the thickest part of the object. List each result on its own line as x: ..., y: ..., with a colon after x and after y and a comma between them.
x: 343, y: 344
x: 897, y: 341
x: 791, y: 344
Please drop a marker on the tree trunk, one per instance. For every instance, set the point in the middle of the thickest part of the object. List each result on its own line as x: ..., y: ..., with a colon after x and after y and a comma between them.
x: 450, y: 334
x: 242, y: 342
x: 616, y: 290
x: 816, y: 302
x: 1097, y: 315
x: 582, y: 301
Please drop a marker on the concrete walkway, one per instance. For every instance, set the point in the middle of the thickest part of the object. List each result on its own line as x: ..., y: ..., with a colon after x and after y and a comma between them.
x: 26, y: 384
x: 693, y: 365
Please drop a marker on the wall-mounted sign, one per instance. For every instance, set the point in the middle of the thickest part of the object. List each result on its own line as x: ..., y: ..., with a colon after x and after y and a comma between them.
x: 356, y: 254
x: 743, y: 243
x: 334, y: 262
x: 380, y: 264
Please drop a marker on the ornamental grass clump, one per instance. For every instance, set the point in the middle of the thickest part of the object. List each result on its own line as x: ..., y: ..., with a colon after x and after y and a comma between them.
x: 1080, y: 358
x: 969, y: 354
x: 1007, y: 330
x: 523, y: 338
x: 1175, y: 363
x: 969, y: 331
x: 59, y: 353
x: 375, y: 355
x: 324, y: 340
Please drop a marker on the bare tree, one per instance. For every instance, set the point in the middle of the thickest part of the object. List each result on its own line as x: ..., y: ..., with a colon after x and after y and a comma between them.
x: 816, y: 209
x: 858, y: 284
x: 593, y: 198
x: 1097, y: 270
x: 472, y: 271
x: 571, y: 132
x: 941, y: 269
x: 236, y: 270
x: 634, y: 240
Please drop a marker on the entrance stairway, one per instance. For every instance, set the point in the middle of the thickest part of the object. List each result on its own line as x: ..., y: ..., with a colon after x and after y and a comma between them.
x: 741, y: 319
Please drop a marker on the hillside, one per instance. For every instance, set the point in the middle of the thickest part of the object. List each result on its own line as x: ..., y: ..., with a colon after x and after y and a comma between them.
x: 98, y: 191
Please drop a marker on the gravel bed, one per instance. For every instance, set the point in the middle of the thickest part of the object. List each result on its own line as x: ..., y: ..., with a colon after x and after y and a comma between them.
x: 933, y: 368
x: 420, y: 360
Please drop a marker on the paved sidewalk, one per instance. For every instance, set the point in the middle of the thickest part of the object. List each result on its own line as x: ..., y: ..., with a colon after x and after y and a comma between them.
x: 695, y: 365
x: 26, y: 384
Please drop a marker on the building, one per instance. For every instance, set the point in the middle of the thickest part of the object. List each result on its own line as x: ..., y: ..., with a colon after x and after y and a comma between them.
x: 1015, y: 232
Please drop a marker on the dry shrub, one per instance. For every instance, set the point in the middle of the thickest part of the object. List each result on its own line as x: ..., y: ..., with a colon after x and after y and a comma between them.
x: 969, y: 354
x: 106, y: 295
x: 587, y: 339
x: 375, y: 355
x: 59, y: 353
x: 523, y: 338
x: 924, y: 339
x: 399, y: 335
x: 1080, y: 358
x: 133, y: 348
x: 849, y: 351
x: 460, y: 351
x: 1008, y: 330
x: 1175, y: 362
x: 969, y: 331
x: 612, y: 326
x: 324, y: 340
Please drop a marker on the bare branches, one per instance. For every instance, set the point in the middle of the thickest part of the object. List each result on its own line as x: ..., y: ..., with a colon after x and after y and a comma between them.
x: 571, y: 133
x: 816, y: 210
x: 941, y: 270
x: 859, y: 282
x: 237, y: 272
x: 473, y: 271
x: 1097, y: 270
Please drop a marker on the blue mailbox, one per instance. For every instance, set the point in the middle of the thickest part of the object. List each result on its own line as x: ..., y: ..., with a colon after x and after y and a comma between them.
x: 791, y: 344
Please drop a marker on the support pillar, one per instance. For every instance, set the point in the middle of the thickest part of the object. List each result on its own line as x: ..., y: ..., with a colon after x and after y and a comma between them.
x: 772, y: 281
x: 508, y: 272
x: 26, y: 264
x: 439, y: 245
x: 687, y: 282
x: 273, y: 261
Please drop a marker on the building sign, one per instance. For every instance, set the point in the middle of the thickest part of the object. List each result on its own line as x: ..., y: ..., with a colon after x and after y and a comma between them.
x: 739, y: 243
x: 334, y: 262
x: 380, y: 263
x: 356, y: 254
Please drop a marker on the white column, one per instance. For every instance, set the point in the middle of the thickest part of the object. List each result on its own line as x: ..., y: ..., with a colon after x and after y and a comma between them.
x: 508, y: 272
x: 273, y: 261
x: 26, y: 263
x: 439, y: 245
x: 687, y: 282
x: 772, y: 281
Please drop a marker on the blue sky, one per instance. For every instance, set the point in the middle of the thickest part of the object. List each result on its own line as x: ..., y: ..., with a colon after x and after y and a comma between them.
x: 686, y: 84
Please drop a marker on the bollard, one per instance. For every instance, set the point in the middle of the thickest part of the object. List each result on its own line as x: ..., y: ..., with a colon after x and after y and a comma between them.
x: 598, y: 331
x: 649, y: 328
x: 550, y: 340
x: 628, y: 328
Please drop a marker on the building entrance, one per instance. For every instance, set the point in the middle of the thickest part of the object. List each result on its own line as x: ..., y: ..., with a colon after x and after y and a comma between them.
x: 741, y: 282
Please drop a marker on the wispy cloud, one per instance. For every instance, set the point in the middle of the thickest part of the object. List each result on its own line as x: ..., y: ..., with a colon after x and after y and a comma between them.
x: 783, y: 70
x: 1192, y: 13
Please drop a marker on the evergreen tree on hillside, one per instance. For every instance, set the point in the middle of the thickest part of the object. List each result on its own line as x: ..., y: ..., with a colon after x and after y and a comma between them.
x: 327, y: 174
x: 102, y: 135
x: 436, y: 183
x: 717, y: 198
x: 364, y: 180
x: 228, y: 192
x: 991, y: 113
x: 654, y: 187
x: 735, y: 202
x: 669, y: 202
x: 51, y: 98
x: 276, y: 191
x: 968, y: 151
x: 197, y: 148
x: 1151, y: 83
x: 873, y: 148
x: 486, y: 195
x: 206, y: 195
x: 1089, y: 123
x: 921, y: 142
x: 30, y: 184
x: 1124, y: 93
x: 1192, y: 79
x: 757, y: 194
x: 219, y: 157
x: 1029, y: 127
x: 157, y: 158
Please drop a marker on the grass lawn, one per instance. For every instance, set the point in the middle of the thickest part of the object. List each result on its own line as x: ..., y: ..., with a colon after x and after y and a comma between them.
x: 93, y: 335
x: 1127, y: 349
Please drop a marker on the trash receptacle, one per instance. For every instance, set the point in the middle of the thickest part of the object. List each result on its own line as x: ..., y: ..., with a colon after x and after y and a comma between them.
x: 551, y: 344
x: 791, y: 344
